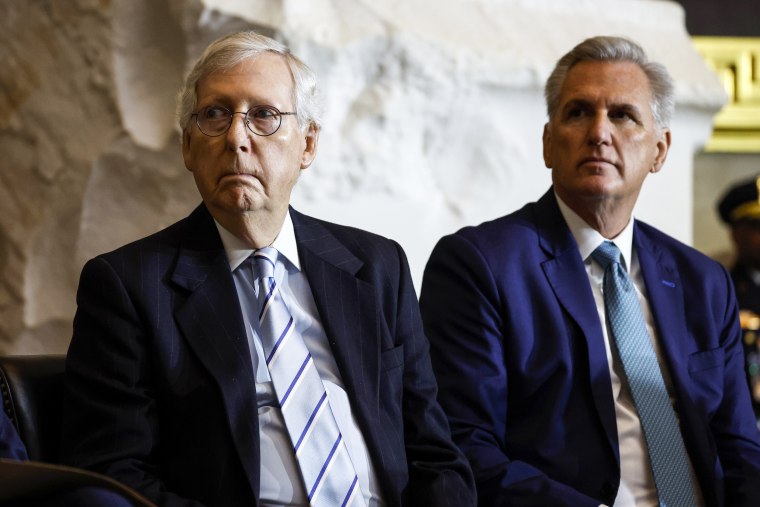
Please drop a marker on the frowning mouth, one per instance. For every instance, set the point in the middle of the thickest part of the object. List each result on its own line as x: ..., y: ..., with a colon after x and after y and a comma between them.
x: 237, y: 175
x: 597, y: 162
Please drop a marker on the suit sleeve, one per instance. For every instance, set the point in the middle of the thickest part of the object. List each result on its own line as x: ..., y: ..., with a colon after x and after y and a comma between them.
x: 438, y: 472
x: 461, y: 308
x: 110, y: 415
x: 733, y: 425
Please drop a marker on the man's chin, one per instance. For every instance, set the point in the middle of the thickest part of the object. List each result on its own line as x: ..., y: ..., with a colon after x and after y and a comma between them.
x: 242, y: 204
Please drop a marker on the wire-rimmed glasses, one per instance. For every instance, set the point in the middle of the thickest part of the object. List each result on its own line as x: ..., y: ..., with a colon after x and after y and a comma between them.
x: 261, y: 120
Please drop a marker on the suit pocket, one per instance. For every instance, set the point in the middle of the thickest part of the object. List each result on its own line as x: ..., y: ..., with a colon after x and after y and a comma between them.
x: 391, y: 358
x: 705, y: 360
x: 392, y: 387
x: 706, y: 373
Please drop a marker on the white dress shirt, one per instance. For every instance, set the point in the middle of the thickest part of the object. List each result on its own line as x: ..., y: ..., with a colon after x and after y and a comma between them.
x: 637, y: 487
x: 281, y: 482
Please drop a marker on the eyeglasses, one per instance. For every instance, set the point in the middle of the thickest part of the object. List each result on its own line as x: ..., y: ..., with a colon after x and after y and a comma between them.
x: 261, y: 120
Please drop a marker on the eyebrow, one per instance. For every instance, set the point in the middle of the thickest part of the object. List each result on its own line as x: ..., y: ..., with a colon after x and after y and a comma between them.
x: 225, y: 99
x: 615, y: 106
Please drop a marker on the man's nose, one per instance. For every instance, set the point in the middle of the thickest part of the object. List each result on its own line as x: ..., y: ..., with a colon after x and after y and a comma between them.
x: 600, y: 130
x: 239, y: 135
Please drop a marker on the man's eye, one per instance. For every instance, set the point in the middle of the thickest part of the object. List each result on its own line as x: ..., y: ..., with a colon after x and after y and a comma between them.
x: 621, y: 115
x: 216, y: 113
x: 575, y: 112
x: 262, y: 113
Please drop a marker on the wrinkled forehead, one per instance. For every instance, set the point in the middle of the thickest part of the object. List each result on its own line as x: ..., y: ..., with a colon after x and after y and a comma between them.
x: 613, y: 82
x: 266, y: 65
x: 266, y: 74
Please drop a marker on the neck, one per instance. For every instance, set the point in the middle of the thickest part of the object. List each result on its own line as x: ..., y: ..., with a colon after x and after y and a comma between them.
x: 606, y: 216
x: 257, y: 229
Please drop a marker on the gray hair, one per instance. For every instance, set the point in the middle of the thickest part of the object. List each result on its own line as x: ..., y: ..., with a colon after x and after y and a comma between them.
x: 615, y: 49
x: 228, y: 51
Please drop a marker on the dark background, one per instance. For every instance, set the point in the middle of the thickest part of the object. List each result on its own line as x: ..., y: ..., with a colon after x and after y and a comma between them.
x: 728, y: 18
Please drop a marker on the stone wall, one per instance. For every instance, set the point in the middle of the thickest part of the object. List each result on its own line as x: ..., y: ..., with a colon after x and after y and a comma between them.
x: 434, y: 120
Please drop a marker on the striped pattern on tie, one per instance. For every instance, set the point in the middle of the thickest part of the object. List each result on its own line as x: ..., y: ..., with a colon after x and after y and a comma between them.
x: 328, y: 474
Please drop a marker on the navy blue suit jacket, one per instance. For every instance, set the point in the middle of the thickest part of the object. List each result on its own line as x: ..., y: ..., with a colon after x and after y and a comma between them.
x: 160, y: 390
x: 11, y: 446
x: 518, y: 349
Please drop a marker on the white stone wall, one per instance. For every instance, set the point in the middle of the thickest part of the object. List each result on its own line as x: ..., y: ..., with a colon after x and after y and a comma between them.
x: 434, y: 120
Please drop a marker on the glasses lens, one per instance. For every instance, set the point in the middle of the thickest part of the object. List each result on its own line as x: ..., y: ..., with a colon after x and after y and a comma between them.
x: 263, y: 120
x: 214, y: 120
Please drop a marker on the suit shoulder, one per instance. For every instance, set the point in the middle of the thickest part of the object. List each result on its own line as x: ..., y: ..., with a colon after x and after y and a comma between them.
x: 198, y: 223
x: 167, y: 236
x: 362, y: 243
x: 687, y: 257
x: 161, y: 246
x: 512, y: 231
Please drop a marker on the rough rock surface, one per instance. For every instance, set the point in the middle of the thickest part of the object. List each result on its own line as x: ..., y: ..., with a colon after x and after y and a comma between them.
x: 434, y: 120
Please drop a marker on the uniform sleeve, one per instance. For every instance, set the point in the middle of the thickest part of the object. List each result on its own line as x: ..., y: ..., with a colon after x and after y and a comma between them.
x: 11, y: 446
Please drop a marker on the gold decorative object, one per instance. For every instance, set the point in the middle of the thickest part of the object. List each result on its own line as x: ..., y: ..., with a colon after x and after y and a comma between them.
x: 736, y: 60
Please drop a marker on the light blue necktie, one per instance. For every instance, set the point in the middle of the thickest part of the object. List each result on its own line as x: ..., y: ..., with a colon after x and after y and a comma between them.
x: 328, y: 474
x: 667, y: 452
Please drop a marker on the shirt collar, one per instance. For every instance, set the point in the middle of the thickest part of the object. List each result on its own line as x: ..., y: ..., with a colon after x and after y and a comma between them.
x: 284, y: 243
x: 588, y: 238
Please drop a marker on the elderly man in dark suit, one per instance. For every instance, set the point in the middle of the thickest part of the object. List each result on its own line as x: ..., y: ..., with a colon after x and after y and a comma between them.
x: 585, y: 358
x: 249, y: 354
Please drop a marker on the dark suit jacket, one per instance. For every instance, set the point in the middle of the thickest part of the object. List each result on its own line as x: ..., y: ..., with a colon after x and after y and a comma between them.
x: 518, y: 349
x: 160, y: 390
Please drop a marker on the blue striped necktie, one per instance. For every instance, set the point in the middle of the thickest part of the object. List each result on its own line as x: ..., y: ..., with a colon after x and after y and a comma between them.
x: 328, y: 474
x: 667, y: 452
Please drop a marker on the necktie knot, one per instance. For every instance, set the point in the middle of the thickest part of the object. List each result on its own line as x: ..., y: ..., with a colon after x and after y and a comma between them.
x: 607, y: 253
x: 264, y: 259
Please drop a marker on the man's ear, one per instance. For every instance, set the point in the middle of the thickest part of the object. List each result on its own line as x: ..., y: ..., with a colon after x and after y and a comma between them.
x: 547, y: 138
x: 311, y: 136
x: 663, y: 146
x: 186, y: 148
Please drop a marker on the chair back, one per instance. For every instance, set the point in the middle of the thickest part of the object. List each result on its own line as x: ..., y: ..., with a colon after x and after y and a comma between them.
x: 32, y: 387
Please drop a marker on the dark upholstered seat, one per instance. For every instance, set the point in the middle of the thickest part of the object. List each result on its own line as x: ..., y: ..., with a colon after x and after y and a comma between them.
x: 32, y: 388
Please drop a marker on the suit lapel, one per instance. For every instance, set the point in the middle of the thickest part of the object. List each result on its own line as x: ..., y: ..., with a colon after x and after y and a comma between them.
x: 666, y: 299
x: 667, y: 303
x: 349, y: 313
x: 208, y: 315
x: 566, y: 274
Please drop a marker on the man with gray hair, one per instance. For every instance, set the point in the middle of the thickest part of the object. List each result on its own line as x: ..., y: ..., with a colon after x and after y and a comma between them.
x: 249, y: 354
x: 585, y: 358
